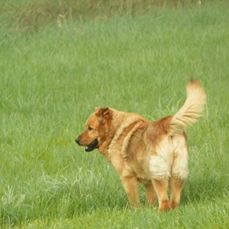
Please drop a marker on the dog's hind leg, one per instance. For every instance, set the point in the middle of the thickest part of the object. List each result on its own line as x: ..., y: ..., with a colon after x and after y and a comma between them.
x: 161, y: 187
x: 179, y: 173
x: 159, y: 171
x: 176, y: 188
x: 130, y: 184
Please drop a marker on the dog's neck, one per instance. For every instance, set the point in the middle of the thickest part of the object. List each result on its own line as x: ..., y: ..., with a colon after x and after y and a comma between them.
x: 118, y: 124
x: 117, y: 118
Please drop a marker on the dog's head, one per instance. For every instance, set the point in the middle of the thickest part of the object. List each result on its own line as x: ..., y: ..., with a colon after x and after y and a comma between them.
x: 96, y: 129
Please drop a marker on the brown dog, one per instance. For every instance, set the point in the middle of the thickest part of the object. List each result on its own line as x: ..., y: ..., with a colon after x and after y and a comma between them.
x: 151, y: 152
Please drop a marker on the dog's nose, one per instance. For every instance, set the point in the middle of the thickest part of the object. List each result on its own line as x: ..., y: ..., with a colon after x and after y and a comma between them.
x: 78, y: 140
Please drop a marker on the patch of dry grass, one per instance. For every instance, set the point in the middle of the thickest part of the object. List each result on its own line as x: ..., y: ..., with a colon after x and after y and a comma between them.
x: 31, y: 15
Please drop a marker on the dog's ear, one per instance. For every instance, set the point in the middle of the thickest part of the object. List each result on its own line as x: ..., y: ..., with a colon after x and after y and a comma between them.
x: 104, y: 112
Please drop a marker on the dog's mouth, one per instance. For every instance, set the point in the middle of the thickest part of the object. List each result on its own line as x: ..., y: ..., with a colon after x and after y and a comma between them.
x: 93, y: 145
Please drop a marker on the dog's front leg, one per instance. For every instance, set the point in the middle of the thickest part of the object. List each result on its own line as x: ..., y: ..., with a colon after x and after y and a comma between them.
x: 130, y: 185
x: 150, y: 193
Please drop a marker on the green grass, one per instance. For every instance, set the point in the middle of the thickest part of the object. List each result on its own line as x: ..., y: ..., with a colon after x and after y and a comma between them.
x: 53, y: 78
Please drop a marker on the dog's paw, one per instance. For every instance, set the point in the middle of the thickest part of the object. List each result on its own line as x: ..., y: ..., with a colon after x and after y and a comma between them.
x: 164, y: 206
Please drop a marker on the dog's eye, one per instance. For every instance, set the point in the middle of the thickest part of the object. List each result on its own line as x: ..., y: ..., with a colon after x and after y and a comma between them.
x: 90, y: 128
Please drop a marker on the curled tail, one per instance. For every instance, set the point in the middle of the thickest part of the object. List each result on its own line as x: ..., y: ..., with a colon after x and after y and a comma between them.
x: 191, y: 110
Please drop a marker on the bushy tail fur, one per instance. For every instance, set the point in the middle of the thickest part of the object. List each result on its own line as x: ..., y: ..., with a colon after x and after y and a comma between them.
x: 191, y: 110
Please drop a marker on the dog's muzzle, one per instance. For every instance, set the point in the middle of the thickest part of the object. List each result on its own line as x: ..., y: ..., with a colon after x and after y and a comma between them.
x: 92, y: 146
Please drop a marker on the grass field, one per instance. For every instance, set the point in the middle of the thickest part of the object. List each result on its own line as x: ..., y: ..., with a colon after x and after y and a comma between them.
x: 53, y: 75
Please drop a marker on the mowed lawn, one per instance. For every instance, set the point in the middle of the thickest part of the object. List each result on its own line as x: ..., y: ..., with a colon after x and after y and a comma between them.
x: 53, y: 78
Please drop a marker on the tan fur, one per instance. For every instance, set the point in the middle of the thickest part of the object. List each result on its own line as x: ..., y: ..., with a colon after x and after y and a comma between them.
x: 142, y: 151
x: 192, y: 108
